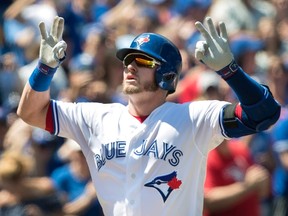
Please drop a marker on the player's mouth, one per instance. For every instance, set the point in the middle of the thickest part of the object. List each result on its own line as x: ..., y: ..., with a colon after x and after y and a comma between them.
x: 130, y: 78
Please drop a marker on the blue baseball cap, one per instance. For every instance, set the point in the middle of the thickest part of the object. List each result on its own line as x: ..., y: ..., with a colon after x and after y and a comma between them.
x: 245, y: 43
x: 183, y: 6
x: 82, y: 62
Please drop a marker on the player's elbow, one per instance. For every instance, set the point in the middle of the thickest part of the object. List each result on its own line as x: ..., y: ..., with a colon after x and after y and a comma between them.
x: 263, y: 114
x: 253, y: 119
x: 32, y: 117
x: 267, y: 123
x: 266, y: 115
x: 21, y: 114
x: 24, y: 115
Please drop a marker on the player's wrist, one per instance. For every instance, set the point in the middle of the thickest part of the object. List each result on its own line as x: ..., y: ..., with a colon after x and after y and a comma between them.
x: 45, y: 69
x: 229, y: 70
x: 41, y: 77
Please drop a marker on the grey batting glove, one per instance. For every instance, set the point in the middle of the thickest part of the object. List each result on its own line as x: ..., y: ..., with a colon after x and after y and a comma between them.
x: 214, y: 51
x: 52, y: 47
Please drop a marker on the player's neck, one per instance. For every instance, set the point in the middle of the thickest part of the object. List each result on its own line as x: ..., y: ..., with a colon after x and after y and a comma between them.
x: 143, y: 105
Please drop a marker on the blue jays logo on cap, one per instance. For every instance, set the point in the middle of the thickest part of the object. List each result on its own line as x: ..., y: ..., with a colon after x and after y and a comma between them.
x: 142, y: 40
x: 165, y: 184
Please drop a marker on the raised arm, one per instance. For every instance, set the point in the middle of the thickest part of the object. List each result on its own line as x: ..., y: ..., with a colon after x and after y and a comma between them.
x: 35, y: 98
x: 257, y: 109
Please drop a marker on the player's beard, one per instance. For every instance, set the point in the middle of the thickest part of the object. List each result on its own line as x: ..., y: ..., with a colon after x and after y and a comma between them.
x: 147, y: 86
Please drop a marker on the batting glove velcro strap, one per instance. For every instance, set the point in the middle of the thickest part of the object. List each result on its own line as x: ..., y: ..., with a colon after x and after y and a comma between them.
x: 41, y: 77
x: 229, y: 70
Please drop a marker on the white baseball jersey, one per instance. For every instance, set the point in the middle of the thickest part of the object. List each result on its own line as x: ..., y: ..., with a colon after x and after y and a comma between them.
x: 152, y: 168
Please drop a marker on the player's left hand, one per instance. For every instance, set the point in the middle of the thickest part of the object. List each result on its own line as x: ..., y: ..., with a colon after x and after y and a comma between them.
x: 214, y: 51
x: 52, y: 47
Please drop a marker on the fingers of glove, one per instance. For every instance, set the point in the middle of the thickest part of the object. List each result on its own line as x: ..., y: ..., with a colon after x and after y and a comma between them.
x: 224, y: 36
x: 205, y: 34
x: 212, y: 28
x: 43, y: 31
x: 223, y: 31
x: 59, y: 49
x: 199, y: 55
x: 202, y: 46
x: 201, y: 50
x: 54, y: 27
x: 203, y: 31
x: 60, y: 28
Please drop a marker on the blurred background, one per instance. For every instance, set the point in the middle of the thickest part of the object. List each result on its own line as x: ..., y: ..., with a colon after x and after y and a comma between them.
x: 36, y: 161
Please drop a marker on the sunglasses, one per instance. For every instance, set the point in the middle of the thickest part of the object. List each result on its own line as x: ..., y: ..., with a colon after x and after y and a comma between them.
x: 141, y: 60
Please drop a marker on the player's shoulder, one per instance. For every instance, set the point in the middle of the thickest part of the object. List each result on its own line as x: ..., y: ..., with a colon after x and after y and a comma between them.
x: 195, y: 104
x: 98, y: 104
x: 102, y: 106
x: 202, y: 107
x: 89, y: 107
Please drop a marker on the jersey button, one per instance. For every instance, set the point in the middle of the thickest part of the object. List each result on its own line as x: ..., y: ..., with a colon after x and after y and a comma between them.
x: 133, y: 176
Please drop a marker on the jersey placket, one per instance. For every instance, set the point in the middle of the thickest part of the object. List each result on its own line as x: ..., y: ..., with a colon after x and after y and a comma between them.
x: 134, y: 184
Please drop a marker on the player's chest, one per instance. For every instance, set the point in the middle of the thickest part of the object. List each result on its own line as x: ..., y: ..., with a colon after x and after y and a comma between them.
x: 143, y: 144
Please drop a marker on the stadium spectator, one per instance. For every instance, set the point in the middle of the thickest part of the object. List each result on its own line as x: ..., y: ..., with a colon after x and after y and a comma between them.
x: 73, y: 183
x: 234, y: 184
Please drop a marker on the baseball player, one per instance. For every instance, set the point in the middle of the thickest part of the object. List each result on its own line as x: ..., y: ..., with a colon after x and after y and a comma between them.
x: 149, y: 157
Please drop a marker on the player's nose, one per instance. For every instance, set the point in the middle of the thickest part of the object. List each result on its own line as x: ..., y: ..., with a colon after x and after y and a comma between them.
x: 131, y: 68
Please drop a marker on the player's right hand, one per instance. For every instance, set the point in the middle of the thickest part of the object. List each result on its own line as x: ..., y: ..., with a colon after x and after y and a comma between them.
x: 214, y: 51
x: 52, y: 47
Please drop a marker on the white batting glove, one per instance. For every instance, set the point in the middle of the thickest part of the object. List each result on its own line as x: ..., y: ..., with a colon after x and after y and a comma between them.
x: 214, y: 51
x: 52, y: 47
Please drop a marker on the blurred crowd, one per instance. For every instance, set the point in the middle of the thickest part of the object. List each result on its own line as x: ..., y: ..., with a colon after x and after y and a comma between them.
x: 41, y: 174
